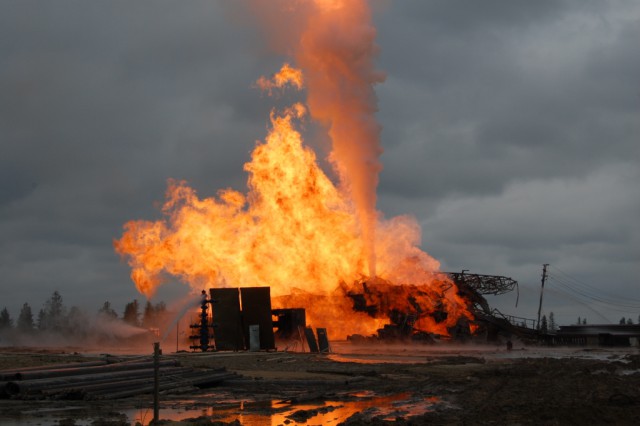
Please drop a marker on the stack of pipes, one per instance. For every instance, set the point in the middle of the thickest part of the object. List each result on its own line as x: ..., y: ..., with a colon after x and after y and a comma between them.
x: 103, y: 379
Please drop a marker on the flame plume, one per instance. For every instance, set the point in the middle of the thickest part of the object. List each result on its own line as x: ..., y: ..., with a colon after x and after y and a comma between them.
x: 295, y: 230
x: 286, y: 75
x: 336, y: 52
x: 333, y: 42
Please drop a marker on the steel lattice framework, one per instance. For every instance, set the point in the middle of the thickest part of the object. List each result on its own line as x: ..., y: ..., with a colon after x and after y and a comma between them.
x: 483, y: 284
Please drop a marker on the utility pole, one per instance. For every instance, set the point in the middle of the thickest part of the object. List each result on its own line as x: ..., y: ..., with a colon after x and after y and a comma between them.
x: 544, y: 278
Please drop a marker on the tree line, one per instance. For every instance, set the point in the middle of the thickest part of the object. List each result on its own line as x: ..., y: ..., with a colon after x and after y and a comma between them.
x: 55, y: 317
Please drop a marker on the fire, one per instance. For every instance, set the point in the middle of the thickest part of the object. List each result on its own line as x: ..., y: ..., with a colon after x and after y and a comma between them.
x: 286, y: 75
x: 336, y: 52
x: 295, y: 230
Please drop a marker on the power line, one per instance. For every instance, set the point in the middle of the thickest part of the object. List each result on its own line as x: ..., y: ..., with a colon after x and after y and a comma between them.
x: 591, y: 295
x: 594, y: 289
x: 574, y: 299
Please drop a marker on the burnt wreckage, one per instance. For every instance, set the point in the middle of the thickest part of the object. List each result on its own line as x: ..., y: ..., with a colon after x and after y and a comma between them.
x: 374, y: 298
x: 242, y: 318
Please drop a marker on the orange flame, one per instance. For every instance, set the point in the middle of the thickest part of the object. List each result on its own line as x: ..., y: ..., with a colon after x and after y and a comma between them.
x: 286, y: 75
x: 295, y: 230
x: 336, y: 52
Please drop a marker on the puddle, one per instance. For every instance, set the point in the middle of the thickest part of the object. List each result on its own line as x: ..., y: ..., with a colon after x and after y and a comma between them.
x: 377, y: 359
x: 255, y: 413
x: 273, y: 413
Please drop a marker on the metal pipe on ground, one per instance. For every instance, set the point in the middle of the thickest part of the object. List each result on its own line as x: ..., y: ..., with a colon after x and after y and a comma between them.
x: 203, y: 380
x: 30, y: 386
x: 10, y: 374
x: 100, y: 387
x: 121, y: 366
x: 169, y: 372
x: 175, y: 380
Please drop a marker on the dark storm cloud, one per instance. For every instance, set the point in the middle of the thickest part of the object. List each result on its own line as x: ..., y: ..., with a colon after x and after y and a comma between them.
x: 506, y: 101
x: 510, y: 131
x: 100, y: 104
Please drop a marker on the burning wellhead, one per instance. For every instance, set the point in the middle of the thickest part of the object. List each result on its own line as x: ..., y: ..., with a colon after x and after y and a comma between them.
x: 297, y: 229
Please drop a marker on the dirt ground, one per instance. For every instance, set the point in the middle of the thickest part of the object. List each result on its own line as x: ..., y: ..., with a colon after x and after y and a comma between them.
x: 373, y: 386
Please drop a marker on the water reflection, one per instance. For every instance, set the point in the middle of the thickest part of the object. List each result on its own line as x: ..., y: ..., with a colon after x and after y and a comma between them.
x: 272, y: 413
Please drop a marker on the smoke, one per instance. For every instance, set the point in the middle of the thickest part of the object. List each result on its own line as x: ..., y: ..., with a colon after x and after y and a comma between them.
x: 333, y: 42
x: 190, y: 303
x: 80, y: 330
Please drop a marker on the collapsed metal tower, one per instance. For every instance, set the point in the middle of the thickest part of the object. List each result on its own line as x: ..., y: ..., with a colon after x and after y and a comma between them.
x: 474, y: 286
x: 375, y: 298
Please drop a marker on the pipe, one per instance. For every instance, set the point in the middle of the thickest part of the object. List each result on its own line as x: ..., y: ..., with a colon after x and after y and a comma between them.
x: 26, y: 386
x: 175, y: 380
x: 105, y: 387
x: 121, y: 366
x: 10, y: 374
x: 171, y: 372
x: 202, y: 380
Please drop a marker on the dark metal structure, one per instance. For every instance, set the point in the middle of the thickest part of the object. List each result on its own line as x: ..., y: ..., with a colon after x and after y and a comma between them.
x: 288, y: 322
x: 483, y: 284
x: 202, y: 331
x: 233, y: 311
x: 256, y: 310
x: 375, y: 296
x: 228, y: 319
x: 474, y: 286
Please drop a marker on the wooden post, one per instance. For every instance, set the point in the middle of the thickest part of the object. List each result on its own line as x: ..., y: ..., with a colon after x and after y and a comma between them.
x: 156, y: 382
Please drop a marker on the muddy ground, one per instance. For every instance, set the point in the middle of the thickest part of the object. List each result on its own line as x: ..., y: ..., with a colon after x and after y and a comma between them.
x: 378, y: 385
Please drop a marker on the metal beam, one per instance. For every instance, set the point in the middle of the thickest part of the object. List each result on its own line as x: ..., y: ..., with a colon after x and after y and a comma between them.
x: 483, y: 284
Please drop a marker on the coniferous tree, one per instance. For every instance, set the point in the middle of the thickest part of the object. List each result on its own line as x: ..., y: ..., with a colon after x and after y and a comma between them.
x: 579, y: 321
x: 629, y: 321
x: 543, y: 324
x: 584, y: 321
x: 149, y: 316
x: 42, y: 320
x: 161, y: 307
x: 160, y: 311
x: 54, y: 314
x: 6, y: 323
x: 153, y: 314
x: 552, y: 322
x: 25, y: 319
x: 132, y: 313
x: 623, y: 320
x: 107, y: 311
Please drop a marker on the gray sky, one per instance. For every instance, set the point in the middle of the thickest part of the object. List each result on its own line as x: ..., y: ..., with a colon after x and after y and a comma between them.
x: 510, y: 131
